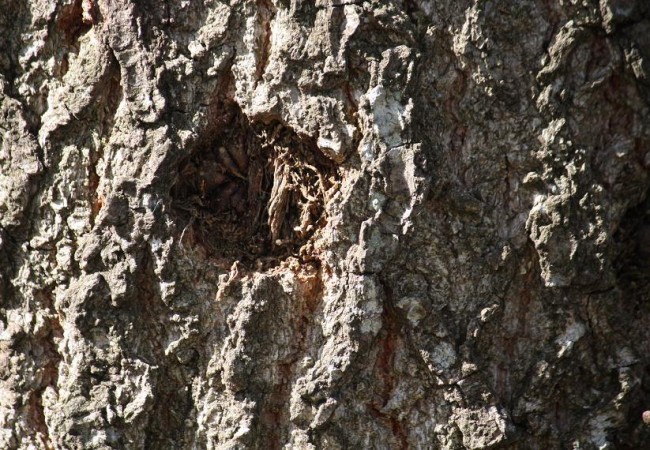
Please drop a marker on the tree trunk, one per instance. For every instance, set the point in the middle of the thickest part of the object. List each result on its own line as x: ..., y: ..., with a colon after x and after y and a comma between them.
x: 324, y: 225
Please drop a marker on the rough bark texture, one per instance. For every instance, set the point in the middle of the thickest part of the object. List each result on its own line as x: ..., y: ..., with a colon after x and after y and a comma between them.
x: 334, y: 224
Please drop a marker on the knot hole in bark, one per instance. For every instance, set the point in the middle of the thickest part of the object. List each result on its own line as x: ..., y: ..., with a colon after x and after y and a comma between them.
x: 252, y: 192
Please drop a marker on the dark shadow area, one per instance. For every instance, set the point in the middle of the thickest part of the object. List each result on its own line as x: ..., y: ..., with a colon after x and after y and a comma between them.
x: 632, y: 259
x: 632, y: 265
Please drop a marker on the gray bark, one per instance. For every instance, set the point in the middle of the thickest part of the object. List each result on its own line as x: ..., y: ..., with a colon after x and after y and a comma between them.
x: 304, y: 225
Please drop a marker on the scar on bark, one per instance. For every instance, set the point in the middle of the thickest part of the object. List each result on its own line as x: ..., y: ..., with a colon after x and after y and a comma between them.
x: 252, y: 192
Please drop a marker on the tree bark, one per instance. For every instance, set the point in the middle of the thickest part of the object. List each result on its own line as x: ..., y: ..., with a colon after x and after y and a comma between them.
x: 324, y: 225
